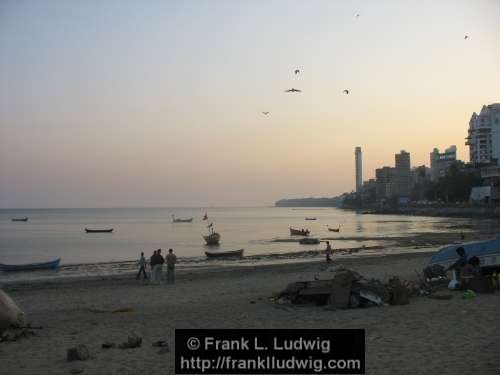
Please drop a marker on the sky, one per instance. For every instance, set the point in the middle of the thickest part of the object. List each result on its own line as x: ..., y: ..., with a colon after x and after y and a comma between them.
x: 159, y: 103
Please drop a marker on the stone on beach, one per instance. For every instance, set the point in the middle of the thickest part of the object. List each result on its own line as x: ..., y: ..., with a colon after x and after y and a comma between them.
x: 132, y: 342
x: 10, y: 314
x: 78, y: 353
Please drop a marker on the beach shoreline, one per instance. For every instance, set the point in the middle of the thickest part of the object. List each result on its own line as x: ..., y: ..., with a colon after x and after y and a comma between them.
x: 410, y: 339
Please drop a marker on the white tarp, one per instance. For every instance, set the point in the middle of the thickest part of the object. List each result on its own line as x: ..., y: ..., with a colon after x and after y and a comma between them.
x: 10, y: 313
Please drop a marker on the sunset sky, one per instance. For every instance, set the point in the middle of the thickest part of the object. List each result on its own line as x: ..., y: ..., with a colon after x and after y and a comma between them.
x: 159, y: 103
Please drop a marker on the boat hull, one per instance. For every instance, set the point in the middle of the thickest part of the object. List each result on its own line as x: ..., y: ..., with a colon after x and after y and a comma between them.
x: 183, y: 220
x: 212, y: 239
x: 98, y: 230
x: 297, y: 232
x: 224, y: 254
x: 487, y: 251
x: 30, y: 267
x: 20, y: 219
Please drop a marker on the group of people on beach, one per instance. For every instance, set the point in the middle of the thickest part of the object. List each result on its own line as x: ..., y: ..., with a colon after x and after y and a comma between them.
x: 156, y: 262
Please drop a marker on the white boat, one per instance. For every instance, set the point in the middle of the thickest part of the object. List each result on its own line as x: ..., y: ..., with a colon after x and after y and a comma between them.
x: 488, y: 252
x: 181, y: 220
x: 224, y: 253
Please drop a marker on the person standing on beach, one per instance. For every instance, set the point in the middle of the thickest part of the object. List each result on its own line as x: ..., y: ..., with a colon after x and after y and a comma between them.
x: 142, y: 268
x: 171, y: 260
x: 152, y: 262
x: 159, y: 266
x: 328, y: 252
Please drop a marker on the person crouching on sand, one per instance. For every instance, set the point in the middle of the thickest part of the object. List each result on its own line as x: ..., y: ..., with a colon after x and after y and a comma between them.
x: 142, y: 268
x: 171, y: 260
x: 328, y: 252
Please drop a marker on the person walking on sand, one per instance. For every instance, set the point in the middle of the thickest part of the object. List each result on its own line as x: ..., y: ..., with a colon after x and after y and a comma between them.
x: 328, y: 252
x: 171, y: 260
x: 142, y: 268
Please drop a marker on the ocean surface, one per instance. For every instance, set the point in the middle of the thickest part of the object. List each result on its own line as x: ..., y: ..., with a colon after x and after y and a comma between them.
x: 262, y: 231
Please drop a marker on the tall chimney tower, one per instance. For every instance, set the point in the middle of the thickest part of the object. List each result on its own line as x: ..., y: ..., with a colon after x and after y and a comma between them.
x: 359, y: 169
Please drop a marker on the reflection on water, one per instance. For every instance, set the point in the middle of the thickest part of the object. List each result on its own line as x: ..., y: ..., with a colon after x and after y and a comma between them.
x: 53, y: 233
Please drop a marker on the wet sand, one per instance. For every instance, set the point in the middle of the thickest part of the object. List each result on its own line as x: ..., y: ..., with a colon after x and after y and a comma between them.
x: 425, y: 337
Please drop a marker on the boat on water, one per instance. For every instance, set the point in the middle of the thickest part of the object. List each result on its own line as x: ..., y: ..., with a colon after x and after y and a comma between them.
x: 309, y: 241
x: 311, y: 218
x: 181, y: 220
x: 488, y: 252
x: 20, y: 219
x: 333, y: 229
x: 212, y: 238
x: 31, y: 266
x: 299, y: 232
x: 224, y: 253
x: 98, y: 230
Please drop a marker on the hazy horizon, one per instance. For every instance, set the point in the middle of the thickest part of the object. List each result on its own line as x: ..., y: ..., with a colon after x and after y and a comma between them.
x: 131, y: 104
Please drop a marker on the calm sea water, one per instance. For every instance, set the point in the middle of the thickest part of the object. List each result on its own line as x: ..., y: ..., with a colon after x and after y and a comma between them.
x: 54, y: 233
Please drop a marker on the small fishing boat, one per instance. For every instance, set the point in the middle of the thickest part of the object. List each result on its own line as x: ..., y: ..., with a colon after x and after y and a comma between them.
x: 20, y: 219
x: 213, y: 238
x: 98, y: 230
x: 487, y: 251
x: 311, y: 218
x: 309, y: 241
x: 224, y: 254
x: 299, y: 232
x: 31, y: 266
x: 181, y: 220
x: 334, y: 229
x: 205, y: 217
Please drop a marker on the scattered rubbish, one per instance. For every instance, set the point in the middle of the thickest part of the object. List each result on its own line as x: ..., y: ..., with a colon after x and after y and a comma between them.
x: 15, y: 334
x: 79, y: 353
x: 469, y: 294
x: 132, y: 342
x: 441, y: 296
x: 398, y: 292
x: 108, y: 345
x: 252, y: 302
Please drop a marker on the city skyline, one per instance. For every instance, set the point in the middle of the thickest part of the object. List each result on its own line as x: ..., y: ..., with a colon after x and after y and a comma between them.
x: 122, y: 104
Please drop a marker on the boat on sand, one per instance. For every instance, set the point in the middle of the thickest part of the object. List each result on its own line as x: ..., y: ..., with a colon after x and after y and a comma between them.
x: 224, y: 253
x: 30, y: 266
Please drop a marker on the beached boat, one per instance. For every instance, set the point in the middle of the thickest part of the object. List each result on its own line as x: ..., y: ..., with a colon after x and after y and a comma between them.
x: 334, y: 229
x: 309, y: 241
x: 181, y: 220
x: 98, y: 230
x: 487, y: 251
x: 20, y: 219
x: 31, y: 266
x: 212, y: 238
x: 311, y: 218
x: 224, y: 253
x: 299, y: 232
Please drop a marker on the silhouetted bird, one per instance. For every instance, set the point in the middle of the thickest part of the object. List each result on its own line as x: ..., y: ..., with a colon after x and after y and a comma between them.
x: 265, y: 113
x: 357, y: 15
x: 297, y: 71
x: 293, y: 90
x: 346, y: 92
x: 466, y: 37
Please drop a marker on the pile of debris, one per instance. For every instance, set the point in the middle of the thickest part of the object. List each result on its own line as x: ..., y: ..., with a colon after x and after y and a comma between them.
x: 342, y: 288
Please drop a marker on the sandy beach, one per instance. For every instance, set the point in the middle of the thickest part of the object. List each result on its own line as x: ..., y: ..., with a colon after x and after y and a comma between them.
x: 425, y: 337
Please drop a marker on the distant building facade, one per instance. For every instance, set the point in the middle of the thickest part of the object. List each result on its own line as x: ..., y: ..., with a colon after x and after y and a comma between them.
x: 441, y: 161
x: 484, y: 136
x: 359, y: 169
x: 402, y: 174
x: 384, y: 178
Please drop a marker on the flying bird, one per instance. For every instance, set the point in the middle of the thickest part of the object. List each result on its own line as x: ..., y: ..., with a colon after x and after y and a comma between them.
x: 357, y: 15
x: 466, y: 37
x: 297, y: 71
x: 346, y: 92
x: 265, y: 113
x: 293, y: 90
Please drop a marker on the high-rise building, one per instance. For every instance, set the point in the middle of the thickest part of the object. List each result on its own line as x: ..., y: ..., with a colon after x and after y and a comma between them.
x: 441, y: 161
x: 484, y: 135
x: 359, y: 169
x: 385, y: 182
x: 402, y: 174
